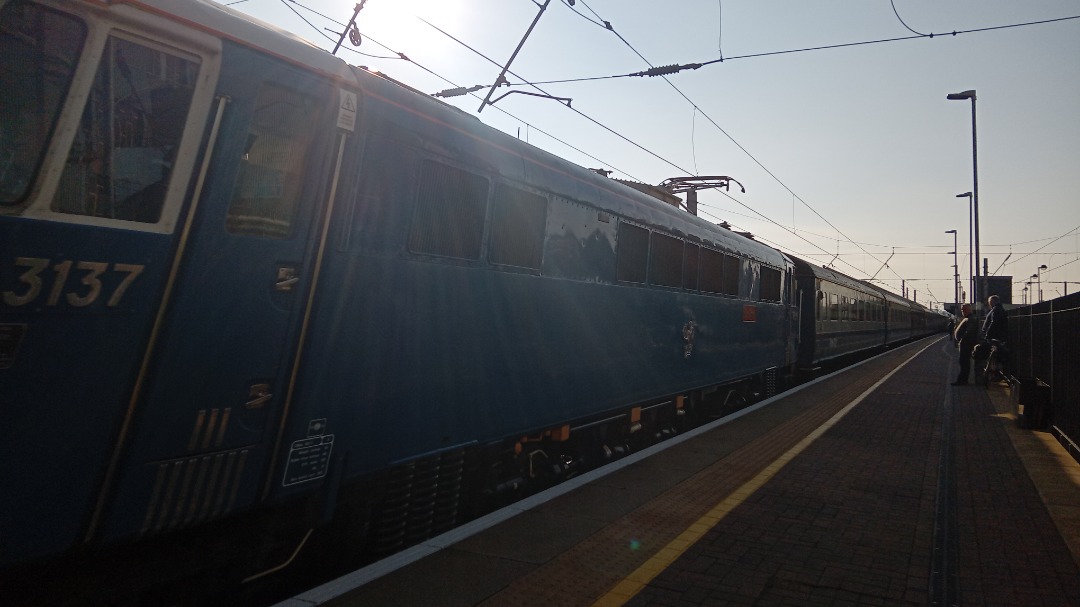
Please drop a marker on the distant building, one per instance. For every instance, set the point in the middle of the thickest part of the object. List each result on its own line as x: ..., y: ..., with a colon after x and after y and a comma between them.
x: 996, y: 285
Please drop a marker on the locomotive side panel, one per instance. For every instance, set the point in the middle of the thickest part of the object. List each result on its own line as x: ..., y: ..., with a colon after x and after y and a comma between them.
x: 425, y: 339
x: 102, y: 115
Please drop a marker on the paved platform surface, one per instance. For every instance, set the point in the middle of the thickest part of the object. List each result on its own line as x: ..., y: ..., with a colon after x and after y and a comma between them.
x: 882, y: 485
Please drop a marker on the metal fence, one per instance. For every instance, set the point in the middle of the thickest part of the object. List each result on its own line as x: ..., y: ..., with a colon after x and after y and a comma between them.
x: 1044, y: 345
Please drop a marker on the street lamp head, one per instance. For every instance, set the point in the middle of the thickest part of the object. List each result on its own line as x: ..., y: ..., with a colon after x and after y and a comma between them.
x: 1042, y: 267
x: 964, y: 95
x: 950, y: 231
x: 964, y: 195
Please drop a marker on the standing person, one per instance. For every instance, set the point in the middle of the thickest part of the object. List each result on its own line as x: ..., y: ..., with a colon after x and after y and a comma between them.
x: 966, y: 335
x: 995, y: 331
x: 996, y: 325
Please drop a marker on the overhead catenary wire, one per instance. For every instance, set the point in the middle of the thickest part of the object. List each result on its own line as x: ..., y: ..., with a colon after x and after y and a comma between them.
x: 1069, y: 233
x: 737, y: 144
x: 696, y: 65
x: 573, y: 109
x: 628, y: 140
x: 897, y: 13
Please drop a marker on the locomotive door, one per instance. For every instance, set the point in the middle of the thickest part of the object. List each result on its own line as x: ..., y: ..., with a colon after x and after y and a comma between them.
x: 221, y: 368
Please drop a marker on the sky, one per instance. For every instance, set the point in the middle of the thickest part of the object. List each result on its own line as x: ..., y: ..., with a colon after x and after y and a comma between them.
x: 832, y: 114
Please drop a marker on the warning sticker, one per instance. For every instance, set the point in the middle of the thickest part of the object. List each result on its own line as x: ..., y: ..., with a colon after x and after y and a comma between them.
x: 309, y: 459
x: 346, y: 118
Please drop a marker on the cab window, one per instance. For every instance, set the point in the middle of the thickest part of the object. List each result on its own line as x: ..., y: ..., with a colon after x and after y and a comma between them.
x: 40, y: 49
x: 271, y: 174
x: 125, y: 145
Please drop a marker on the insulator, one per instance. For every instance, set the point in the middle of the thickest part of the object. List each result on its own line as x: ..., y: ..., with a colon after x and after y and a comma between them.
x: 458, y: 92
x: 669, y: 69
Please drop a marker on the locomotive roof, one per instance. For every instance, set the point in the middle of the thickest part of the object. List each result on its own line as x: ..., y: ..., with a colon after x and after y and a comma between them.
x: 231, y: 24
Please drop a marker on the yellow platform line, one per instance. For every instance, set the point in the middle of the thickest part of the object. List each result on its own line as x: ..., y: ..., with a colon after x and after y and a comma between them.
x: 643, y: 575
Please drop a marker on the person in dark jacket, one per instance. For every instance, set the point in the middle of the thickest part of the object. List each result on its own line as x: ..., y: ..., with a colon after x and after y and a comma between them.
x: 996, y: 325
x: 966, y: 335
x: 995, y: 332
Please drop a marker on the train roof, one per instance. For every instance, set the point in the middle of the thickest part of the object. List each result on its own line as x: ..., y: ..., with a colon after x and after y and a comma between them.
x: 231, y: 24
x: 804, y: 267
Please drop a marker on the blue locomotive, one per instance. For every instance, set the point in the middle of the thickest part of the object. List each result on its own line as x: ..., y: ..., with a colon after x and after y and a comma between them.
x: 243, y: 281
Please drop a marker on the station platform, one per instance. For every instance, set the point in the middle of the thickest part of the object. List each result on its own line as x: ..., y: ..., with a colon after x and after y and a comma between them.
x: 878, y: 485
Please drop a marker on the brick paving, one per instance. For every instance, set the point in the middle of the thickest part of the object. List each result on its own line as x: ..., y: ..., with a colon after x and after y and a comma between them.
x: 851, y: 521
x: 1011, y: 553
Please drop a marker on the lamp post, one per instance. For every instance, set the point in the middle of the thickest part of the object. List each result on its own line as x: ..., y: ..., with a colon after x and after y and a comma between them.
x: 956, y: 273
x: 975, y: 291
x: 1027, y: 285
x: 972, y: 267
x: 1038, y: 276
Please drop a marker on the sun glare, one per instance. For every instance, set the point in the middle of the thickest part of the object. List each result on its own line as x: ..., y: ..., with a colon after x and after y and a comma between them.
x: 397, y: 23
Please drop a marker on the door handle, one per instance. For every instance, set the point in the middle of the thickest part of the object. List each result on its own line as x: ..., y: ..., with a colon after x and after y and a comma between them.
x: 286, y: 278
x: 260, y: 394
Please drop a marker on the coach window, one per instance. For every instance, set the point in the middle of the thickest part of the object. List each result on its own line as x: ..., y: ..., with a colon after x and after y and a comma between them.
x: 633, y: 253
x: 40, y: 49
x: 272, y: 167
x: 834, y: 307
x: 665, y: 260
x: 125, y: 145
x: 517, y: 228
x: 690, y: 267
x: 770, y: 284
x: 450, y: 209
